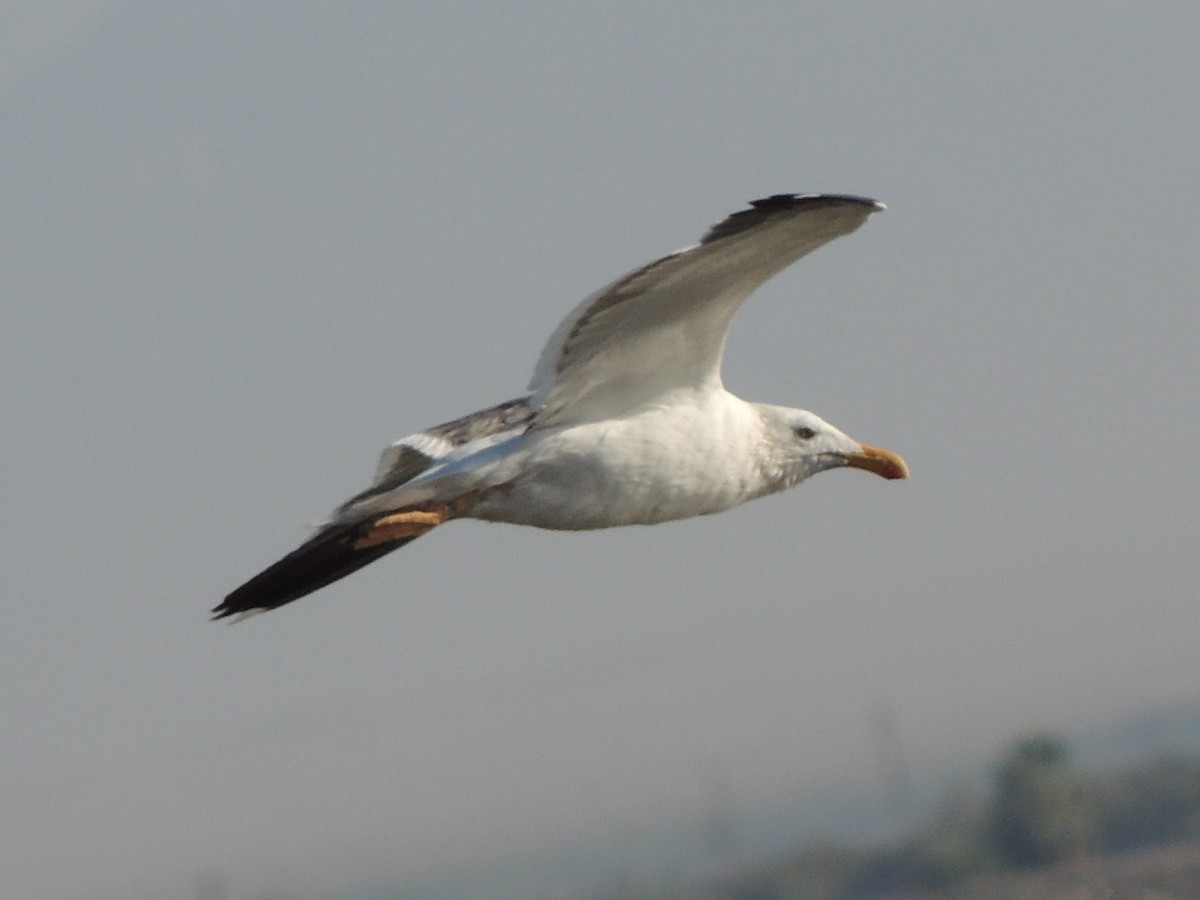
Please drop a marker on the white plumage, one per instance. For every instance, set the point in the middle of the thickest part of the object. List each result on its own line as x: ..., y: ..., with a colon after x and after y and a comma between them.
x: 627, y: 421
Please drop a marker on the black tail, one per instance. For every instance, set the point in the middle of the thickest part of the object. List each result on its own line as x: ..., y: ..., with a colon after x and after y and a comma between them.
x: 323, y: 559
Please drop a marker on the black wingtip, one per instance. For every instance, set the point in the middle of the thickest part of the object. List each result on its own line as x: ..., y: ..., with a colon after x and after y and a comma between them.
x: 764, y: 208
x: 813, y: 201
x: 328, y: 556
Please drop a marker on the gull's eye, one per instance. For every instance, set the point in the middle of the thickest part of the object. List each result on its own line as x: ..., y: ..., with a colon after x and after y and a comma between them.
x: 804, y: 432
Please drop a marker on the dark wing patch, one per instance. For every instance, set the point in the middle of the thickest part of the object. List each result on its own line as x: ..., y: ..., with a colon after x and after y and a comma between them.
x: 402, y: 462
x: 502, y: 417
x: 338, y: 550
x: 769, y: 207
x: 327, y: 556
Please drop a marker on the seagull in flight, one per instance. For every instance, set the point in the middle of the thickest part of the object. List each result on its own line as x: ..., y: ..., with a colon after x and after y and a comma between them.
x: 626, y: 421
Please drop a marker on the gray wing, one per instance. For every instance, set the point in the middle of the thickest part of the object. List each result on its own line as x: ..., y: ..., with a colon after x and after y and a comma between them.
x: 662, y: 327
x: 412, y: 455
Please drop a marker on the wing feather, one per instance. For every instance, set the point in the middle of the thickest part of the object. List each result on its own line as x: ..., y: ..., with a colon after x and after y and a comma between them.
x: 329, y: 555
x: 412, y: 455
x: 662, y: 327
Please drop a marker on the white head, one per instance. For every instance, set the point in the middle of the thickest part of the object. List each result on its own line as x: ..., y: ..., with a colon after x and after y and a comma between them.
x: 802, y: 444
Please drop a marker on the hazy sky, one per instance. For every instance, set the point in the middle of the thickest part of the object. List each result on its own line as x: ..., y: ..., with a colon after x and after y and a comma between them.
x: 245, y: 246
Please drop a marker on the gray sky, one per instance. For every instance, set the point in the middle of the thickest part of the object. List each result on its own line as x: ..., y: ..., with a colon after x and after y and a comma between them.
x: 245, y: 246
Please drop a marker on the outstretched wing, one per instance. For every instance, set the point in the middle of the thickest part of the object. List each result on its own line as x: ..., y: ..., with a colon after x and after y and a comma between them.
x: 662, y: 327
x: 359, y: 533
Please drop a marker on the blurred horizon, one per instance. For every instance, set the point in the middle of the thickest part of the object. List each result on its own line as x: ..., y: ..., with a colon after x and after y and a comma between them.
x: 714, y: 840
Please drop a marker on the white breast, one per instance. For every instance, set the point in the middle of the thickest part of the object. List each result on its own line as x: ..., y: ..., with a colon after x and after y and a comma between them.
x: 666, y: 462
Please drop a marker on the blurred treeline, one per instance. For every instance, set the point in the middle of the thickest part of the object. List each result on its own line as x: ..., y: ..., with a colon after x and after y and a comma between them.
x: 1040, y: 811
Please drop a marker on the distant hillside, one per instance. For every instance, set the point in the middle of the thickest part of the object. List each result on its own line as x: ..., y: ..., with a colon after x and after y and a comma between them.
x: 1151, y: 732
x: 686, y: 851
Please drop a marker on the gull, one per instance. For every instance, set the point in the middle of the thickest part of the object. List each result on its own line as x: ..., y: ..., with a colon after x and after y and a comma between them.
x: 626, y: 421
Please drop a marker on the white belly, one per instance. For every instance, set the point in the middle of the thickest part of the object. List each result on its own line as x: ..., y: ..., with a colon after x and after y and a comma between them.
x: 663, y: 464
